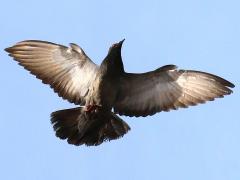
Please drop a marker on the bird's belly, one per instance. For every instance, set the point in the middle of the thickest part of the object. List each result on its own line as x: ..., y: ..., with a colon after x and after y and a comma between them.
x: 103, y: 94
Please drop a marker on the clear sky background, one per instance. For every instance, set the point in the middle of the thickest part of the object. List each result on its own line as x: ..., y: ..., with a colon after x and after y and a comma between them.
x: 199, y: 143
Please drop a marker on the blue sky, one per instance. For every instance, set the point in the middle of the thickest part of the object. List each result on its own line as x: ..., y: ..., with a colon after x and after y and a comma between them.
x: 197, y: 143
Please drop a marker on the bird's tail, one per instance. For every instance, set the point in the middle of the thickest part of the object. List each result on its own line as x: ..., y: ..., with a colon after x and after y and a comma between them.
x: 80, y: 127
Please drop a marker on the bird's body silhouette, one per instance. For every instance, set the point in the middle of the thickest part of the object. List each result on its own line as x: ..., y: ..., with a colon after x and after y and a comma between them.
x: 99, y: 89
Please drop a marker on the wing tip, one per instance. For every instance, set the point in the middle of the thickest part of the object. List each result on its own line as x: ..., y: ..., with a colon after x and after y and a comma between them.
x: 225, y: 82
x: 219, y: 79
x: 231, y: 85
x: 9, y: 49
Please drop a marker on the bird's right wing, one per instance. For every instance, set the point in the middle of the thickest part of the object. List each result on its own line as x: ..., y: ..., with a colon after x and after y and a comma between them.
x: 167, y: 88
x: 68, y: 71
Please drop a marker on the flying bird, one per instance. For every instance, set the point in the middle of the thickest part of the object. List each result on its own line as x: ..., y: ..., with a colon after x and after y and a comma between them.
x: 101, y: 92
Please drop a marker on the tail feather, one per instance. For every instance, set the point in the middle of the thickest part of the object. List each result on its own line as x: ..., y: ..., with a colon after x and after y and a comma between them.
x: 79, y: 127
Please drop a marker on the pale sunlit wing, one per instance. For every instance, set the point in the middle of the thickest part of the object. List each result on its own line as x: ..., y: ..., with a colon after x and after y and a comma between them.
x: 67, y: 70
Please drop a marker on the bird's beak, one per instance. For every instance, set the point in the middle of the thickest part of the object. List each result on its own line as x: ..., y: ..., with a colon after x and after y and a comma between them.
x: 121, y: 42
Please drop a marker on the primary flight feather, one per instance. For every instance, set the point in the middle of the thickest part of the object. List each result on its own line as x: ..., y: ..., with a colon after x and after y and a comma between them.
x: 99, y: 89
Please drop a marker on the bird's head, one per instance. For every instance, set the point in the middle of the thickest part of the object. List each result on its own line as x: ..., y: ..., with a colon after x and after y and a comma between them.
x: 113, y: 60
x: 115, y: 49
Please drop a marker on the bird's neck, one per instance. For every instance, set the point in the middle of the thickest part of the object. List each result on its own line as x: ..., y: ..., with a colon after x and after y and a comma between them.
x: 113, y: 65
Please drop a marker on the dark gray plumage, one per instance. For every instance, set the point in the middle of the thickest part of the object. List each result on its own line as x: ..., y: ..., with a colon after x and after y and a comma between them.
x: 71, y: 73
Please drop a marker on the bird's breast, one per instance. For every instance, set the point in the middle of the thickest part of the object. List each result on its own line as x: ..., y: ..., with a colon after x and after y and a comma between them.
x: 103, y: 92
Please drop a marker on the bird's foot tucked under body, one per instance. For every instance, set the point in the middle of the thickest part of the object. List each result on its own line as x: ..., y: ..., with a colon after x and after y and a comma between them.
x: 91, y: 108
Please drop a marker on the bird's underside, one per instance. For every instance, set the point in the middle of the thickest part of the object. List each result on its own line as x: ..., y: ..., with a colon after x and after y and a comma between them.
x: 71, y: 74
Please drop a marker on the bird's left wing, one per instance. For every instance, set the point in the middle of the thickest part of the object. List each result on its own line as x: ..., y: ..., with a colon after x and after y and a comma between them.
x: 68, y: 70
x: 167, y: 88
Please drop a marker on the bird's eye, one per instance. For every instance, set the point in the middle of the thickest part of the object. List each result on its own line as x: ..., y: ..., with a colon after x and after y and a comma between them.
x: 114, y: 45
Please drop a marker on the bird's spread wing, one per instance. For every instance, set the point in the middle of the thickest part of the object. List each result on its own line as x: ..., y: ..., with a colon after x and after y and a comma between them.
x: 167, y: 88
x: 67, y: 70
